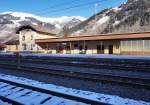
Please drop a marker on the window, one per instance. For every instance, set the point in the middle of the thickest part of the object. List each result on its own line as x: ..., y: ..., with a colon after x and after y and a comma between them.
x: 128, y: 45
x: 117, y: 46
x: 39, y: 48
x: 24, y: 47
x: 100, y: 47
x: 140, y: 45
x: 16, y: 47
x: 134, y: 45
x: 23, y: 37
x: 31, y: 46
x: 86, y: 47
x: 75, y: 45
x: 123, y: 45
x: 146, y: 45
x: 80, y: 48
x: 68, y: 47
x: 31, y: 37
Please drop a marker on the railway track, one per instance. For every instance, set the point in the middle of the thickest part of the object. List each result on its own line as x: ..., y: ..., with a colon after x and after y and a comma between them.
x: 121, y: 80
x: 113, y: 64
x: 23, y: 94
x: 40, y: 65
x: 94, y: 65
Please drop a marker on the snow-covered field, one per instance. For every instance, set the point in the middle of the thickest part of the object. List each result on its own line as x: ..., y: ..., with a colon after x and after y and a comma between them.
x: 110, y: 99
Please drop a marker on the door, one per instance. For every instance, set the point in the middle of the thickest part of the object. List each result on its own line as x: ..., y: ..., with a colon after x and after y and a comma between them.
x: 68, y: 49
x: 110, y: 49
x: 100, y: 49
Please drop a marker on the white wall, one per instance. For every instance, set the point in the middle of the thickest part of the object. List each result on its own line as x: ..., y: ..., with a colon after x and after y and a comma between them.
x: 29, y: 41
x: 30, y: 37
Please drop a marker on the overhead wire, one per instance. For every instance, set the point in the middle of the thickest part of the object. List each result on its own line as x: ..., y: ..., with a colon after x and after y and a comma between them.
x: 56, y: 6
x: 71, y: 7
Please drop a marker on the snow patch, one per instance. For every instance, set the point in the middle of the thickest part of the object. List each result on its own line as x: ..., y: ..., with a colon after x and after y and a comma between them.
x: 103, y: 20
x: 116, y: 9
x: 4, y: 103
x: 104, y: 98
x: 62, y: 19
x: 116, y: 22
x: 78, y: 32
x: 58, y: 26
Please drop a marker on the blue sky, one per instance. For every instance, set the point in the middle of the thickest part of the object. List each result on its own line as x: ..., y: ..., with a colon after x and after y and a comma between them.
x: 56, y: 8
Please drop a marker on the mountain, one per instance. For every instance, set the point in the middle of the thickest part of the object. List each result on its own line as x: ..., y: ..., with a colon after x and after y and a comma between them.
x: 10, y: 21
x: 132, y: 16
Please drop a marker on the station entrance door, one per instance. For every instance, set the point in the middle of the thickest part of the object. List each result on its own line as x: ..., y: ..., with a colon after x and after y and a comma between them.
x: 100, y: 49
x: 110, y: 49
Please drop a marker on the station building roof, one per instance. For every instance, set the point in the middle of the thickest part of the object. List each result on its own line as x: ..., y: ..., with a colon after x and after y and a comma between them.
x: 140, y: 35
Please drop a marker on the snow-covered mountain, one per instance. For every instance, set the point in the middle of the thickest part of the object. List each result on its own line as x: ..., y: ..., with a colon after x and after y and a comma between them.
x: 9, y: 21
x: 133, y: 16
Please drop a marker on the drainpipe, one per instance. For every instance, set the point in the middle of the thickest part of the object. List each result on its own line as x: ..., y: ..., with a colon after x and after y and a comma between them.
x: 84, y: 44
x: 47, y: 47
x: 70, y: 48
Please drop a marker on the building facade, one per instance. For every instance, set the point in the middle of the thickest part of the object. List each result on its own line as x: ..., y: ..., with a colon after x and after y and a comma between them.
x: 28, y: 35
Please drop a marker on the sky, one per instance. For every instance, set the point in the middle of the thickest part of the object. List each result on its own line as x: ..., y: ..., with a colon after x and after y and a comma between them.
x: 57, y: 8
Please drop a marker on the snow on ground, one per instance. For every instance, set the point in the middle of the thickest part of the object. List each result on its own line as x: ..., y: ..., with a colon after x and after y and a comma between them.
x: 109, y: 99
x: 90, y: 56
x: 82, y: 55
x: 4, y: 103
x: 4, y: 53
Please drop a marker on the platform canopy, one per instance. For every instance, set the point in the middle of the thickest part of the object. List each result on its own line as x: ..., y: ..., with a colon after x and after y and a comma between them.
x: 141, y: 35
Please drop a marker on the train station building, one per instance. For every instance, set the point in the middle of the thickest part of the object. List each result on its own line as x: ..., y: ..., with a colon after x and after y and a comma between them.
x: 31, y: 39
x: 121, y: 44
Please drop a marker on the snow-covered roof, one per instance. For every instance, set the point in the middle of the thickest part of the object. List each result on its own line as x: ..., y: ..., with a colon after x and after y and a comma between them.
x: 36, y: 29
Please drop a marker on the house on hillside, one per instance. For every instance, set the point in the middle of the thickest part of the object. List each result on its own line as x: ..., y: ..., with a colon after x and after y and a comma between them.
x: 27, y: 36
